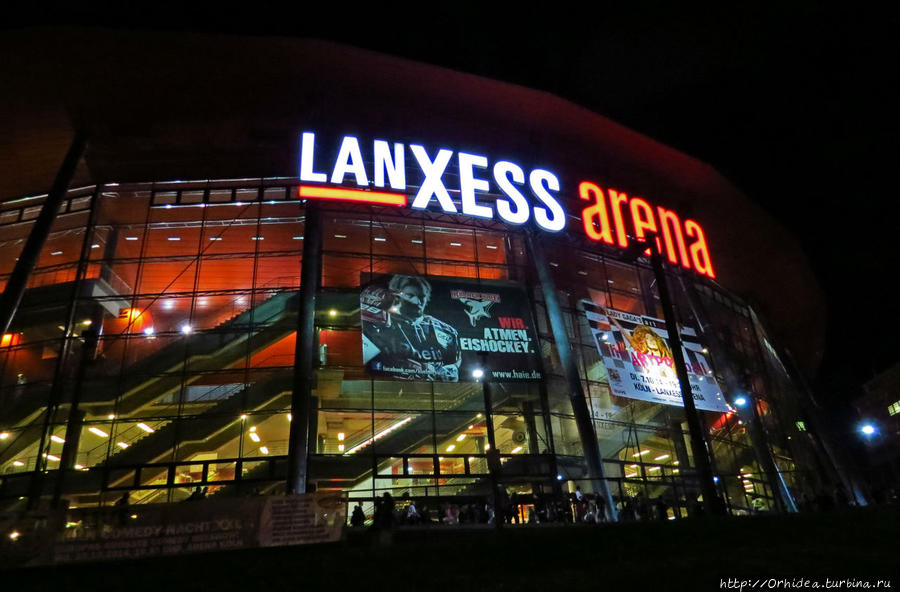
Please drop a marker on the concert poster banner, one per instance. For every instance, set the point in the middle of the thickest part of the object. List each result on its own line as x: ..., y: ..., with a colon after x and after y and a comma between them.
x: 437, y: 328
x: 638, y: 359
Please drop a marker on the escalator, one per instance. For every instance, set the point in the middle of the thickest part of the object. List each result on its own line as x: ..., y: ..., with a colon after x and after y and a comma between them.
x: 160, y: 374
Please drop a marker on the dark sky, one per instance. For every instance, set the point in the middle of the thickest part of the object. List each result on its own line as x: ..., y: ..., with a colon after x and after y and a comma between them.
x: 795, y: 104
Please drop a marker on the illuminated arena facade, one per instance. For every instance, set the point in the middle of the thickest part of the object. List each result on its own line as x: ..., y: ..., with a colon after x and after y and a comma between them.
x: 176, y: 313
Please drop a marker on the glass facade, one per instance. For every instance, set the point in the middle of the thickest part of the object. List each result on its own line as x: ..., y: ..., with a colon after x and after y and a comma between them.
x: 191, y: 292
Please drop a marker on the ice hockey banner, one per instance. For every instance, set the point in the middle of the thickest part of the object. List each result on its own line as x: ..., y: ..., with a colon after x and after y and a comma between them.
x: 638, y: 359
x: 436, y: 328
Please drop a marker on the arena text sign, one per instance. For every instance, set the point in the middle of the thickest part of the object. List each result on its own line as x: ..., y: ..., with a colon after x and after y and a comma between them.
x: 609, y: 216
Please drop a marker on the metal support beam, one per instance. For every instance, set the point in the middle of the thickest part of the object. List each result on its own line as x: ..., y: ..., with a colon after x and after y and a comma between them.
x: 783, y: 497
x: 714, y: 504
x: 18, y: 280
x: 585, y: 426
x: 298, y: 448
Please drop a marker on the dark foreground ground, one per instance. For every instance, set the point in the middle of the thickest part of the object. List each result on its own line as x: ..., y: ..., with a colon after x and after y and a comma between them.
x: 858, y: 545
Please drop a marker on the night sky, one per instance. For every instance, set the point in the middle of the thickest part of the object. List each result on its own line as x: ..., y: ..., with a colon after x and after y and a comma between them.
x: 794, y: 104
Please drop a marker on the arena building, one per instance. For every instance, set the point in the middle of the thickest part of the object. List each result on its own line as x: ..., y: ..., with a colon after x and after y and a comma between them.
x: 287, y: 264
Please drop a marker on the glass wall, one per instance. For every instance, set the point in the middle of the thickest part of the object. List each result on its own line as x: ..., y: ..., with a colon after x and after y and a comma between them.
x: 169, y: 312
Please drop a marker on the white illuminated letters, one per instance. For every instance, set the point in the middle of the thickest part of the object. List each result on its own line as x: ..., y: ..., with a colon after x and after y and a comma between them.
x: 307, y: 151
x: 394, y: 166
x: 433, y: 183
x: 505, y: 174
x: 468, y: 184
x: 349, y: 160
x: 541, y: 181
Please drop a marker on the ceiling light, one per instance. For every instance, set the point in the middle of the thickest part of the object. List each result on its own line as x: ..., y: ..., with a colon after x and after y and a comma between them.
x: 455, y: 244
x: 380, y: 240
x: 146, y: 428
x: 340, y: 236
x: 52, y: 457
x: 451, y: 448
x: 18, y: 463
x: 131, y: 238
x: 461, y: 437
x: 57, y: 439
x: 264, y: 450
x: 98, y: 432
x: 257, y: 238
x: 340, y: 447
x: 56, y: 253
x: 186, y: 329
x: 636, y: 454
x: 254, y: 436
x: 417, y: 241
x: 215, y: 238
x: 122, y: 445
x: 174, y: 238
x: 341, y: 436
x: 516, y: 449
x: 662, y: 457
x: 490, y: 246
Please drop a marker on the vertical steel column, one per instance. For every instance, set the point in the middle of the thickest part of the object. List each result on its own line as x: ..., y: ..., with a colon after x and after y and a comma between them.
x: 493, y: 454
x: 757, y: 434
x: 586, y: 432
x: 298, y: 447
x: 15, y: 287
x: 711, y: 500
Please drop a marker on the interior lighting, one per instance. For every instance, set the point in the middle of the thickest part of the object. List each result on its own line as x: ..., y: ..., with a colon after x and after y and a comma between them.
x: 257, y: 238
x: 417, y: 241
x: 461, y: 437
x: 471, y: 427
x: 86, y: 322
x: 674, y: 470
x: 740, y: 401
x: 98, y: 432
x: 174, y: 238
x: 746, y: 474
x: 477, y: 373
x: 122, y: 445
x: 379, y: 435
x: 290, y: 417
x: 451, y: 448
x: 332, y: 312
x: 14, y: 535
x: 340, y: 447
x: 57, y: 439
x: 380, y: 239
x: 298, y: 238
x: 243, y: 416
x: 264, y: 450
x: 149, y: 331
x: 95, y: 246
x: 582, y: 272
x: 455, y: 244
x: 18, y: 463
x: 254, y: 436
x: 146, y: 428
x: 642, y: 452
x: 487, y: 446
x: 111, y: 416
x: 675, y: 462
x: 4, y: 435
x: 56, y: 253
x: 554, y: 264
x: 52, y: 457
x: 340, y: 236
x: 559, y: 477
x: 633, y: 466
x: 715, y: 479
x: 215, y: 238
x: 131, y: 238
x: 490, y: 246
x: 79, y: 467
x: 186, y: 329
x: 516, y: 449
x: 341, y: 436
x: 867, y: 429
x: 662, y: 457
x: 478, y: 415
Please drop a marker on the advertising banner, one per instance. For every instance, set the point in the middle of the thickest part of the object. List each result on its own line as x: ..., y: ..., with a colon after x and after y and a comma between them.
x: 437, y: 329
x: 152, y: 530
x: 638, y: 359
